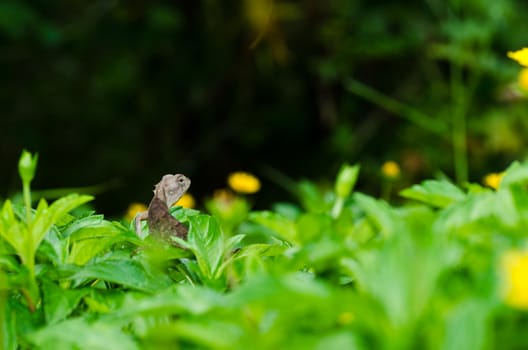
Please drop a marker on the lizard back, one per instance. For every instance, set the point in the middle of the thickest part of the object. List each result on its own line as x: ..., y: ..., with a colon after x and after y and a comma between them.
x: 162, y: 224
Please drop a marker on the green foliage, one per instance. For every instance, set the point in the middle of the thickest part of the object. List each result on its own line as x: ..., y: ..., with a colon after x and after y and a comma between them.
x: 435, y: 193
x: 369, y: 276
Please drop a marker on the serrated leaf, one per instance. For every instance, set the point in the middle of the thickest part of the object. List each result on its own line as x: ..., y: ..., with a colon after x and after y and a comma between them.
x: 435, y: 193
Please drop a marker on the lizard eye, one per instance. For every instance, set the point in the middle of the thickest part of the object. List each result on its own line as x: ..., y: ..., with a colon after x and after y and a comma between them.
x: 181, y: 180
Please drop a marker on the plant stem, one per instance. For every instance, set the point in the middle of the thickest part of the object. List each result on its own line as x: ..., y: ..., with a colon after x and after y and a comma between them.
x: 386, y: 190
x: 458, y: 121
x: 338, y: 207
x: 396, y: 107
x: 27, y: 202
x: 461, y: 96
x: 29, y: 299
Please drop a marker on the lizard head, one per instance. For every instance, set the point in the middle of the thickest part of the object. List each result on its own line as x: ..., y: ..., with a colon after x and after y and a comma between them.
x: 171, y: 188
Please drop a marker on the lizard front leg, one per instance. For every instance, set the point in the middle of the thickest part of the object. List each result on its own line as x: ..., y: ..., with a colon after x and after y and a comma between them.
x: 137, y: 221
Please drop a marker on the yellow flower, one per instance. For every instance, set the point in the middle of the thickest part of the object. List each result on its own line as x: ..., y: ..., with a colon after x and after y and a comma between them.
x: 243, y: 182
x: 186, y: 201
x: 134, y: 209
x: 390, y: 169
x: 523, y: 79
x: 514, y: 271
x: 493, y: 180
x: 520, y: 56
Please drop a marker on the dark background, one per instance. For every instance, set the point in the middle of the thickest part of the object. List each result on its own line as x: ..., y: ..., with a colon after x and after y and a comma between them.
x: 119, y: 93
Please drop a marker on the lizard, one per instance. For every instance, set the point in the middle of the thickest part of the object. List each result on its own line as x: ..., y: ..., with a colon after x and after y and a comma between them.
x: 161, y: 224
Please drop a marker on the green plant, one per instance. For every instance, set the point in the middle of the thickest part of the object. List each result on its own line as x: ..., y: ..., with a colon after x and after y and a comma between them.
x: 367, y: 275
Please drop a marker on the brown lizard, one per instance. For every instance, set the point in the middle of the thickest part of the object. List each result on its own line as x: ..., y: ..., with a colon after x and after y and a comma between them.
x: 161, y: 224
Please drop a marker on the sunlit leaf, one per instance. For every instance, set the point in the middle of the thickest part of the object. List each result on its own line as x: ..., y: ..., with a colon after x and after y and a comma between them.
x: 89, y: 240
x: 48, y: 216
x: 206, y: 242
x: 379, y: 213
x: 467, y: 326
x: 433, y: 192
x: 128, y: 273
x: 182, y: 299
x: 81, y: 334
x: 277, y: 224
x: 310, y: 227
x: 517, y: 173
x: 8, y: 337
x: 12, y: 230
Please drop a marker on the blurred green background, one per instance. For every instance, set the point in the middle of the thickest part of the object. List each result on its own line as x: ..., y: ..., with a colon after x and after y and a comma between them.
x: 121, y: 92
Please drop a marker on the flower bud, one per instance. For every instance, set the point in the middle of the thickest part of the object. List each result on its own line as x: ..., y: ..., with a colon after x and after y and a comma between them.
x: 27, y: 166
x: 346, y: 179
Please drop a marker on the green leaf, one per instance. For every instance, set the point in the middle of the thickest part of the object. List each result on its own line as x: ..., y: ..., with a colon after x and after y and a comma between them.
x: 311, y: 227
x: 8, y: 337
x: 261, y: 249
x: 346, y: 180
x: 318, y: 255
x: 311, y: 197
x: 206, y: 242
x: 78, y: 226
x: 91, y: 236
x: 517, y: 173
x: 46, y: 216
x: 233, y: 241
x: 182, y: 214
x: 53, y: 248
x: 499, y: 205
x: 278, y: 224
x: 13, y: 231
x: 180, y: 299
x: 208, y: 334
x: 129, y: 273
x: 467, y: 326
x: 435, y: 193
x: 81, y: 334
x: 403, y: 274
x: 338, y: 340
x: 379, y: 213
x: 59, y: 302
